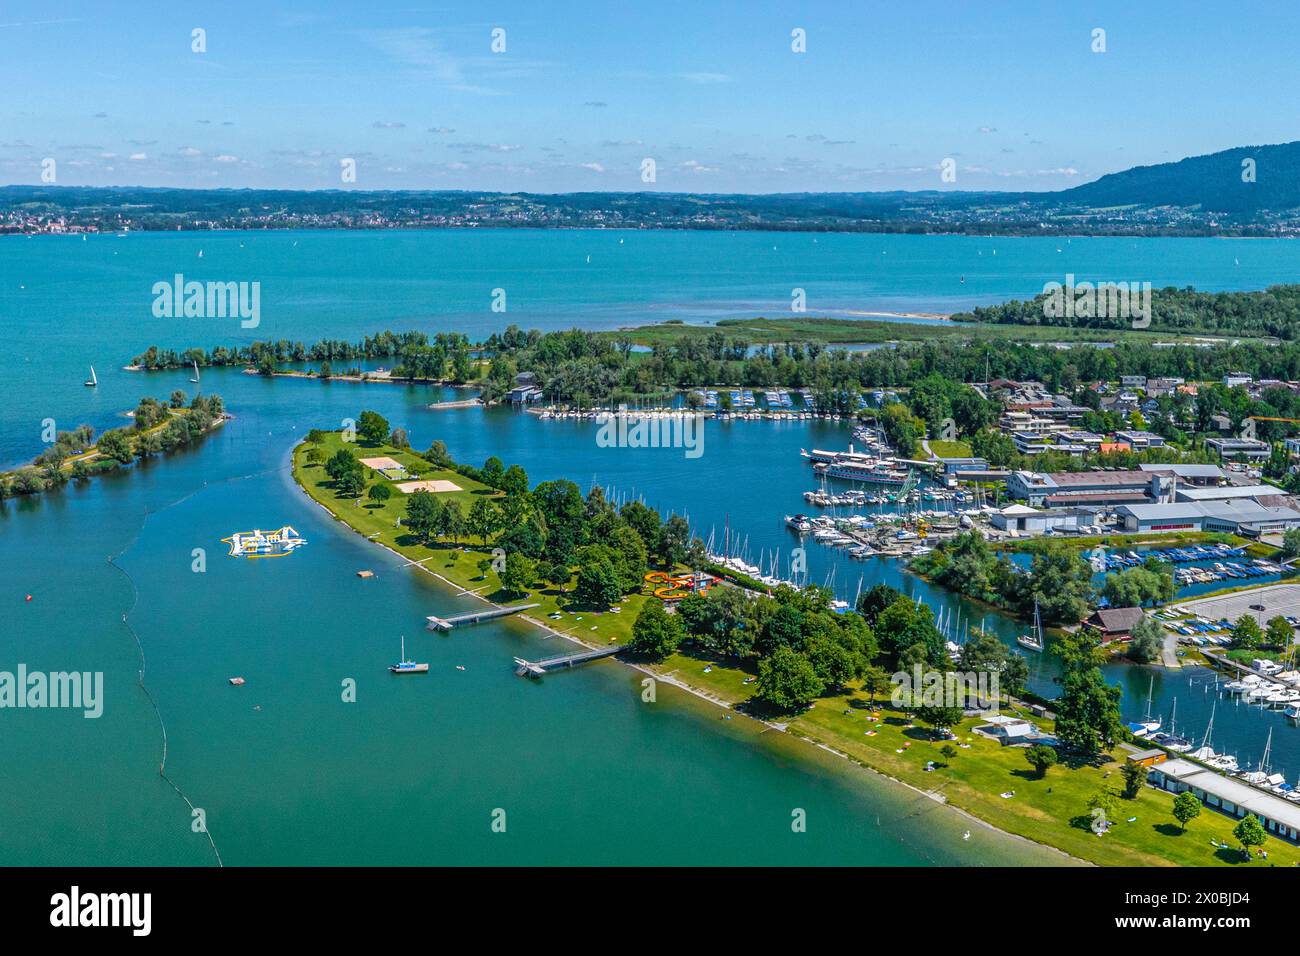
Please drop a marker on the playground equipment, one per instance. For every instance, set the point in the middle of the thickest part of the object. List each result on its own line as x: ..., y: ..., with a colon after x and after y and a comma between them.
x: 674, y: 587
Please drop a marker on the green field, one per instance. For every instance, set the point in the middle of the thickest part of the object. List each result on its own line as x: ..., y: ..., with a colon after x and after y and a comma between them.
x: 763, y: 331
x: 1052, y: 810
x: 949, y: 449
x: 457, y: 562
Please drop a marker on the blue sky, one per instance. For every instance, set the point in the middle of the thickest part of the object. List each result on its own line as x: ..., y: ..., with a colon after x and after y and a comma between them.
x: 585, y: 91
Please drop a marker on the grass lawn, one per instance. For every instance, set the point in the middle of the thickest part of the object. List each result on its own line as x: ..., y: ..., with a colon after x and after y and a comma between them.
x: 763, y: 331
x: 1166, y: 539
x: 457, y: 563
x: 949, y: 449
x: 1051, y: 810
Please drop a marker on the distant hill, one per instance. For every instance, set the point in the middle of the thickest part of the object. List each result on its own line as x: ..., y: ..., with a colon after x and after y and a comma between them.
x: 1200, y: 195
x: 1212, y: 183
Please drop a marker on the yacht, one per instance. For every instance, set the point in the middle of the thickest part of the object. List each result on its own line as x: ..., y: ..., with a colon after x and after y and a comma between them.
x: 1246, y: 683
x: 799, y: 523
x: 1259, y: 693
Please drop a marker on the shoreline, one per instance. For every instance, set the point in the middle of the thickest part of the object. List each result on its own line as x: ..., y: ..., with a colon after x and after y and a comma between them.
x: 696, y: 692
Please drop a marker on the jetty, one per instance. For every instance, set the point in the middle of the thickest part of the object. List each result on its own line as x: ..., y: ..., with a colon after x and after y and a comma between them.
x: 474, y: 617
x: 538, y: 668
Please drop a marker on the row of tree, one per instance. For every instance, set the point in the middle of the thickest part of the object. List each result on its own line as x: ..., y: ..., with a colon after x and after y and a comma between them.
x: 117, y: 447
x: 1273, y: 312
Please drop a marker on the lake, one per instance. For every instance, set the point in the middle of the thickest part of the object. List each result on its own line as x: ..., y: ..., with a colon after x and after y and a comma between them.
x: 283, y: 769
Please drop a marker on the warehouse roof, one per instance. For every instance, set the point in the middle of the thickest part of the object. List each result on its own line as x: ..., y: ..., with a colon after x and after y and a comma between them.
x: 1230, y: 491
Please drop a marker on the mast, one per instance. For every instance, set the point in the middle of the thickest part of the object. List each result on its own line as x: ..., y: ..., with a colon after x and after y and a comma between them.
x: 1209, y: 729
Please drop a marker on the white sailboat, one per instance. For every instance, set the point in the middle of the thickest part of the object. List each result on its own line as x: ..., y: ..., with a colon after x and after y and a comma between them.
x: 1205, y: 753
x: 1147, y: 725
x: 195, y: 379
x: 92, y: 382
x: 1171, y: 740
x: 404, y: 666
x: 1034, y: 641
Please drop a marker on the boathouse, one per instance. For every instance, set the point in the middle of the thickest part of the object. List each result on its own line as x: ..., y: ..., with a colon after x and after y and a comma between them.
x: 1281, y: 818
x: 1148, y: 758
x: 525, y: 395
x: 1115, y: 624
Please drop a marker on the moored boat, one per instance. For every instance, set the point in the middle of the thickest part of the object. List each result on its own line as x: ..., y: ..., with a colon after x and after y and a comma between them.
x: 404, y: 666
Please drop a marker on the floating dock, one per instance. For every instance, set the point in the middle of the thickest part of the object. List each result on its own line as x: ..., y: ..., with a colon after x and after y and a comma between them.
x: 538, y: 668
x: 474, y: 617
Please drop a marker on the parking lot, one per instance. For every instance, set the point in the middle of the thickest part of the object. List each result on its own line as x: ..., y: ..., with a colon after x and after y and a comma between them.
x: 1277, y: 599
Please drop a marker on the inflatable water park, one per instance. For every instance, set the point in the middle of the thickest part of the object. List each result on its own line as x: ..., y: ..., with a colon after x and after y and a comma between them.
x: 264, y: 544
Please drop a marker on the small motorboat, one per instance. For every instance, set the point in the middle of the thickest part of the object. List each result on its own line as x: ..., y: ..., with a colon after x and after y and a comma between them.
x: 237, y: 681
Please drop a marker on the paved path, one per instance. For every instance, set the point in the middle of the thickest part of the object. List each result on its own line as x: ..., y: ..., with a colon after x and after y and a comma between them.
x: 1169, y: 651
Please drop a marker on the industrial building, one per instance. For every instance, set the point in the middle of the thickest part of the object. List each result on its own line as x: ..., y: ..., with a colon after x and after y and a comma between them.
x: 1203, y: 476
x: 1246, y: 518
x: 1066, y: 489
x: 1228, y: 493
x: 1248, y: 448
x: 1019, y: 518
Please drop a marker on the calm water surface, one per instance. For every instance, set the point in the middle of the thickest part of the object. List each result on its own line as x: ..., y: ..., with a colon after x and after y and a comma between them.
x: 285, y: 771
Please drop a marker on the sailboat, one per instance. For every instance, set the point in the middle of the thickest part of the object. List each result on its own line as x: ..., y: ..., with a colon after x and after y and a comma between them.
x: 91, y: 382
x: 404, y: 666
x: 1171, y: 740
x: 1259, y: 776
x: 1034, y: 641
x: 195, y: 379
x: 1205, y: 753
x: 1146, y: 726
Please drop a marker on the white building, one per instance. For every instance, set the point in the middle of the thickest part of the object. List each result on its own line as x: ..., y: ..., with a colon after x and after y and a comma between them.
x: 1281, y: 818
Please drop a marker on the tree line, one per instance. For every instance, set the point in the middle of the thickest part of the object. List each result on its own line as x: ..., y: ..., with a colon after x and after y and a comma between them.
x: 1274, y: 311
x: 77, y: 456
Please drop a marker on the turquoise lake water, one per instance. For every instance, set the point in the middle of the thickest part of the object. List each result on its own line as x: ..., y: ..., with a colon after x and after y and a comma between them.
x: 286, y: 772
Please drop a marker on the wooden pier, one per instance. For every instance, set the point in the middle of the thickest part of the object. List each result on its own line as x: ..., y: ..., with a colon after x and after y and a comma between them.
x: 474, y: 617
x: 538, y: 668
